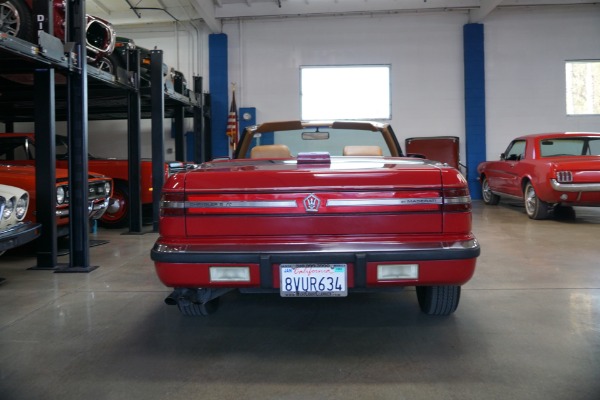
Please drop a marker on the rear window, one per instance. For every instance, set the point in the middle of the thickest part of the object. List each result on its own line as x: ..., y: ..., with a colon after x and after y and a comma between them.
x: 326, y: 139
x: 576, y: 146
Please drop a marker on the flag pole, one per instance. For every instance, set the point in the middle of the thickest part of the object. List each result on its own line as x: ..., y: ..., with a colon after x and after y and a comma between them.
x: 232, y: 124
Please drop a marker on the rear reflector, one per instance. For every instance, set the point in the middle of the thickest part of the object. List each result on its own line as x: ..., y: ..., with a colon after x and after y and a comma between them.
x: 394, y: 272
x: 229, y: 274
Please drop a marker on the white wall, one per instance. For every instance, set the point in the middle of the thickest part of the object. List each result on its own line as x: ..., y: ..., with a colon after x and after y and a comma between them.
x: 525, y: 70
x: 424, y: 51
x: 525, y: 54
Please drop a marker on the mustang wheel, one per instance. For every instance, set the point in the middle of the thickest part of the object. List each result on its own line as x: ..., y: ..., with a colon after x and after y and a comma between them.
x: 438, y: 300
x: 486, y: 193
x: 535, y: 208
x: 197, y: 309
x: 15, y: 19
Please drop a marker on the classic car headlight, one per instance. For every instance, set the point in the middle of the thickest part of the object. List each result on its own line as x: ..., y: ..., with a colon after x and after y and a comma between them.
x: 60, y: 195
x: 107, y: 188
x: 21, y: 209
x: 9, y: 207
x: 564, y: 176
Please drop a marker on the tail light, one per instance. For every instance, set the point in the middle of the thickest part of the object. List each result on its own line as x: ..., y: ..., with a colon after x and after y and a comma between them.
x: 172, y: 204
x: 456, y: 200
x: 564, y: 176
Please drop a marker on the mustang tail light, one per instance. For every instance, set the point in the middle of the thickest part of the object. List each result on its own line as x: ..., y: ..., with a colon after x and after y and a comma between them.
x: 456, y: 200
x: 564, y: 176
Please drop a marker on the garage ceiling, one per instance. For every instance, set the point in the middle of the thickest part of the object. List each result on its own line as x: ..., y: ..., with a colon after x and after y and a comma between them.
x: 212, y: 12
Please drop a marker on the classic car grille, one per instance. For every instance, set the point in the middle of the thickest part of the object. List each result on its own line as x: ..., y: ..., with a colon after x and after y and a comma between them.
x: 96, y: 190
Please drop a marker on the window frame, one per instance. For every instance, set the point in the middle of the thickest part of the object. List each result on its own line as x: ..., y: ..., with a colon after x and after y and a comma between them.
x: 386, y: 115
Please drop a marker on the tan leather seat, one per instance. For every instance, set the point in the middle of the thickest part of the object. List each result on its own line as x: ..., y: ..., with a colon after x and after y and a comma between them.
x: 271, y: 151
x: 362, y: 151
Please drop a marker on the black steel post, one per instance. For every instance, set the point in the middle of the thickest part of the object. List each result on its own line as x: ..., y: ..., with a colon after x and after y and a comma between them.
x: 77, y: 103
x: 158, y: 117
x: 45, y: 168
x: 199, y: 155
x: 134, y: 115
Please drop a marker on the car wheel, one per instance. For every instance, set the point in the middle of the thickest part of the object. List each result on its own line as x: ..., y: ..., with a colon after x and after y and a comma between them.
x: 109, y: 64
x: 534, y: 207
x: 198, y: 309
x: 438, y: 300
x: 117, y: 214
x: 15, y: 19
x: 486, y: 193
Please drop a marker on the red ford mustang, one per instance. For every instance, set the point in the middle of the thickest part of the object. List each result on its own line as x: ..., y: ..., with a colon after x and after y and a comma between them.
x: 546, y: 172
x: 316, y: 209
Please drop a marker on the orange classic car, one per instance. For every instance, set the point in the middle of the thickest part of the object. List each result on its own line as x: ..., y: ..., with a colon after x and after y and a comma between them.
x: 24, y: 176
x: 19, y: 148
x: 548, y: 172
x: 316, y: 209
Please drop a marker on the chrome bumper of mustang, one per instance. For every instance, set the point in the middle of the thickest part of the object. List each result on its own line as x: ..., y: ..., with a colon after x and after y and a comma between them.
x: 574, y: 187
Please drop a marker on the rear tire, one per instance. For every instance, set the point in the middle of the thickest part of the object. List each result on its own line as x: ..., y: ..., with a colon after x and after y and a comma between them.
x: 438, y: 300
x: 487, y: 195
x: 15, y: 19
x: 534, y: 207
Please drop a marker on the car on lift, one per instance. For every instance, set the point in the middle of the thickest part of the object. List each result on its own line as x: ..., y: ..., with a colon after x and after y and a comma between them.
x: 318, y: 209
x: 99, y: 192
x: 14, y: 230
x: 16, y: 19
x: 548, y: 172
x: 20, y: 149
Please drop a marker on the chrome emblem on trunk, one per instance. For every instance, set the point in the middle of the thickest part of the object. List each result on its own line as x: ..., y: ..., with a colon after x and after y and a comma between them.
x: 312, y: 203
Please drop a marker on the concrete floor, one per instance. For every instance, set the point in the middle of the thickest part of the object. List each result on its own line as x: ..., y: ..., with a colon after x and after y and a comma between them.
x: 528, y: 327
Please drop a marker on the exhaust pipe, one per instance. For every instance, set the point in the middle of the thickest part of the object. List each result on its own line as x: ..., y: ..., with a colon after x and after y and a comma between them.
x: 199, y: 296
x: 173, y: 298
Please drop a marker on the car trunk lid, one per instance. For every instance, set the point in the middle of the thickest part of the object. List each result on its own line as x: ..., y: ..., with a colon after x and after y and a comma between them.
x: 337, y: 196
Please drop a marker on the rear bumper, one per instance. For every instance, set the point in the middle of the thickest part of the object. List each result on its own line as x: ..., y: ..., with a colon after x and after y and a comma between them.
x: 18, y: 235
x: 574, y: 187
x: 439, y: 263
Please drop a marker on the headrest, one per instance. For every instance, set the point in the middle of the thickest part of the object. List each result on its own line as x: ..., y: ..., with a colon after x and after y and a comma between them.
x: 362, y: 151
x: 270, y: 151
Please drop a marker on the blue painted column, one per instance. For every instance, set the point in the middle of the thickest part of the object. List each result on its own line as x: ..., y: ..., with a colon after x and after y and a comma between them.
x: 474, y: 64
x: 219, y: 94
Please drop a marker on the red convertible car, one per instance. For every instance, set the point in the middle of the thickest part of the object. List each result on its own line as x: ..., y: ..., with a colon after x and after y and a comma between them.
x: 315, y: 209
x: 546, y: 171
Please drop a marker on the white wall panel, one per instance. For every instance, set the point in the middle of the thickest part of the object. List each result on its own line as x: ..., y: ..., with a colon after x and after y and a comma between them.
x: 424, y: 51
x: 526, y: 52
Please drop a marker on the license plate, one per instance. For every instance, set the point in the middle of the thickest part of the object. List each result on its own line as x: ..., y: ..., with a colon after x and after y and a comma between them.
x: 313, y: 280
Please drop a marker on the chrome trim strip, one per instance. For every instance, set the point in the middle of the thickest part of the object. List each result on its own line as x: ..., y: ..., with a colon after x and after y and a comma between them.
x: 241, y: 204
x: 574, y: 187
x: 285, y: 248
x: 383, y: 202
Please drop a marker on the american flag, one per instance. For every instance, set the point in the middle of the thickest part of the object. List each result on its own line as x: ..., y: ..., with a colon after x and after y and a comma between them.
x: 232, y: 124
